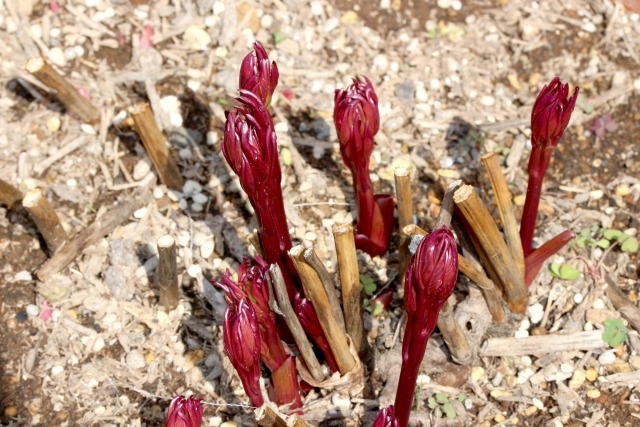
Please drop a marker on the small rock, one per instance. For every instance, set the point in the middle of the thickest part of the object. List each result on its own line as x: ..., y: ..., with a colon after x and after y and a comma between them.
x: 141, y: 213
x: 444, y: 4
x: 577, y: 379
x: 593, y: 394
x: 197, y: 207
x: 191, y: 187
x: 535, y: 312
x: 592, y: 374
x: 194, y: 271
x: 135, y: 360
x: 487, y: 100
x: 56, y: 56
x: 141, y: 169
x: 200, y: 198
x: 206, y: 250
x: 607, y: 358
x: 53, y: 124
x: 197, y: 38
x: 57, y: 370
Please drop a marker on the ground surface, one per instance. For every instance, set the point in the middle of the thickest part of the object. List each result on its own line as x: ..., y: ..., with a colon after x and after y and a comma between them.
x: 90, y: 346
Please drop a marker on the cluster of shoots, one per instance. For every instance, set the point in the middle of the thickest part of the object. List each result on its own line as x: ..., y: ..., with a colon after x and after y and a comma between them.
x: 287, y: 290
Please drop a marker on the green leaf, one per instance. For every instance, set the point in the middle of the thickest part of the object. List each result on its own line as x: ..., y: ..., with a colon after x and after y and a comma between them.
x: 438, y: 412
x: 278, y: 37
x: 615, y: 333
x: 441, y: 398
x: 449, y: 410
x: 555, y: 268
x: 603, y: 243
x: 462, y: 397
x: 630, y: 245
x: 377, y: 309
x: 611, y: 234
x: 568, y: 272
x: 431, y: 402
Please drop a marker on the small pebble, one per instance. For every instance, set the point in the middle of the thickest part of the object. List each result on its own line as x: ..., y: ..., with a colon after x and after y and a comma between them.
x: 10, y: 411
x: 206, y: 250
x: 197, y: 207
x: 23, y: 276
x: 487, y: 100
x: 135, y: 360
x: 183, y: 204
x: 598, y: 304
x: 537, y: 403
x: 578, y: 298
x: 423, y: 379
x: 183, y: 238
x: 536, y: 313
x: 191, y: 187
x: 200, y: 198
x: 53, y: 124
x: 57, y: 370
x: 56, y: 56
x: 194, y: 271
x: 522, y: 333
x: 477, y: 372
x: 593, y: 394
x: 592, y: 374
x: 141, y: 169
x: 158, y: 193
x: 32, y: 310
x: 607, y: 358
x: 197, y: 38
x: 140, y: 213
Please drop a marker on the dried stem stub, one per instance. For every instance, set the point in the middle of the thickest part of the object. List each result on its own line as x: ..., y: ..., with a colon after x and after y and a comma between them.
x: 505, y: 208
x: 168, y: 273
x: 315, y: 292
x: 9, y: 195
x: 489, y: 242
x: 279, y: 291
x: 350, y: 285
x: 45, y: 218
x: 266, y: 416
x: 156, y: 146
x: 65, y: 91
x: 405, y: 216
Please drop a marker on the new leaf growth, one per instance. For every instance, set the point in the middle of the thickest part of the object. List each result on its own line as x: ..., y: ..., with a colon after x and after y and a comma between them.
x: 184, y: 412
x: 357, y: 121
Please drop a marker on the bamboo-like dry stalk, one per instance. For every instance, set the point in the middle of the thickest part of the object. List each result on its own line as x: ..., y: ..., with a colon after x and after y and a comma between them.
x: 505, y: 208
x: 496, y: 252
x: 156, y: 146
x: 350, y: 285
x: 405, y: 217
x: 314, y: 261
x: 278, y: 289
x: 314, y: 290
x: 65, y: 91
x: 446, y: 208
x: 102, y: 226
x: 473, y: 270
x: 543, y: 344
x: 46, y: 219
x: 168, y: 273
x: 266, y: 416
x: 9, y: 195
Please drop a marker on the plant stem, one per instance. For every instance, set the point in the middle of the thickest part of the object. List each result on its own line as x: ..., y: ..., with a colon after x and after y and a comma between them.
x: 538, y: 162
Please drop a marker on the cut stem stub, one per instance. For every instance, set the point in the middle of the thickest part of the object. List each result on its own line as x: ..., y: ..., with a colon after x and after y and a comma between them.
x: 45, y: 218
x: 168, y: 273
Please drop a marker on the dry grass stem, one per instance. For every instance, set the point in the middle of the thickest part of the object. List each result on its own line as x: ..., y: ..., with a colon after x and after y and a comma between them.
x: 98, y: 229
x: 350, y: 285
x: 268, y: 417
x: 543, y: 344
x: 279, y: 291
x: 9, y: 195
x: 156, y: 146
x: 314, y: 290
x: 65, y: 91
x: 489, y: 242
x: 505, y: 208
x: 314, y: 261
x: 45, y: 218
x: 168, y: 273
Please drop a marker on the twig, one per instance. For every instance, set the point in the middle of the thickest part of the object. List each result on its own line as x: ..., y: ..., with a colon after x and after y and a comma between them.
x: 279, y: 290
x: 90, y: 235
x: 45, y: 218
x: 446, y: 208
x: 156, y: 146
x: 9, y: 195
x: 59, y: 154
x: 405, y: 216
x: 168, y: 273
x: 314, y: 290
x: 312, y: 259
x: 541, y: 344
x: 65, y: 91
x: 350, y: 285
x: 267, y: 417
x: 494, y: 248
x: 505, y: 208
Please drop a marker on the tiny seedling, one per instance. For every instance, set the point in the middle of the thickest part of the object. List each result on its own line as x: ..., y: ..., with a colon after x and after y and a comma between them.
x: 627, y: 243
x: 368, y: 285
x: 564, y: 271
x: 615, y: 333
x: 441, y: 406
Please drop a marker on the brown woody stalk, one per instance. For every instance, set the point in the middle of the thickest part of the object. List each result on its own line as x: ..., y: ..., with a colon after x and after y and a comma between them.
x: 168, y: 273
x: 9, y: 195
x: 279, y: 291
x: 505, y: 208
x: 156, y: 146
x: 495, y: 250
x: 314, y: 290
x: 65, y: 91
x: 45, y: 218
x: 473, y: 270
x: 295, y: 421
x: 267, y: 417
x: 314, y: 261
x: 405, y: 216
x: 350, y: 285
x: 452, y: 333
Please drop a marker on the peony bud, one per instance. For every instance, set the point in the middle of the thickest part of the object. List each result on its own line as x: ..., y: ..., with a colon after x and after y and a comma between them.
x: 386, y: 418
x: 184, y: 412
x: 258, y: 75
x: 551, y: 113
x: 242, y: 344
